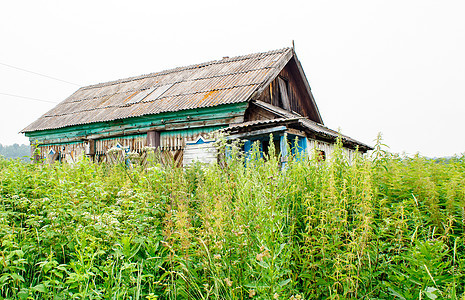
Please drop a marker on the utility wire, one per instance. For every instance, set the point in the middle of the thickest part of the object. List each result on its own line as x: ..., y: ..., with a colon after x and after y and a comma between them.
x: 35, y: 99
x: 50, y: 77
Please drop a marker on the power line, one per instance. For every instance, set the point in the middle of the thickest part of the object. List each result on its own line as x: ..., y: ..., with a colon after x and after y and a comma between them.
x: 50, y: 77
x: 30, y: 98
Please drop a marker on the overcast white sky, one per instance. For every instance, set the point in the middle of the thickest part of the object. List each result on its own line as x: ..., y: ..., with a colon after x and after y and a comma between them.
x: 396, y: 67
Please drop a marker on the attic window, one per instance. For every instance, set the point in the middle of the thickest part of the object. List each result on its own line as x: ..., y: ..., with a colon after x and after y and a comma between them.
x: 283, y: 90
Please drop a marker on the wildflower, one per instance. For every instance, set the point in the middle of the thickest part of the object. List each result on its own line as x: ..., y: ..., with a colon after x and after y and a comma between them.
x: 251, y: 293
x: 217, y: 256
x: 151, y: 296
x: 264, y: 253
x: 228, y: 282
x: 148, y: 149
x: 275, y: 296
x: 114, y: 150
x: 133, y: 155
x: 52, y: 215
x: 238, y: 232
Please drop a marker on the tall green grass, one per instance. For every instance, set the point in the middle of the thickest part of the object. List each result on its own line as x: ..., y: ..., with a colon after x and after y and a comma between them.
x: 386, y: 227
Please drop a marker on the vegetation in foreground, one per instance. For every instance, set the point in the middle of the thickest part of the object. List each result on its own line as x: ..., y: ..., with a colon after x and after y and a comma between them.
x: 381, y: 228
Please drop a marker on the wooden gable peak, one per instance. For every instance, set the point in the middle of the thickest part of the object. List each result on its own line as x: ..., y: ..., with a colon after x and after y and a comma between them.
x: 288, y: 88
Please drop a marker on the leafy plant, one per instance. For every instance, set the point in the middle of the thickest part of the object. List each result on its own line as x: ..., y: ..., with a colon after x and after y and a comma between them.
x: 371, y: 228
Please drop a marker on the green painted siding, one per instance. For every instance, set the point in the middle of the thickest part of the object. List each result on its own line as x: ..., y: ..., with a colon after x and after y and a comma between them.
x: 126, y: 136
x: 212, y: 114
x: 190, y: 131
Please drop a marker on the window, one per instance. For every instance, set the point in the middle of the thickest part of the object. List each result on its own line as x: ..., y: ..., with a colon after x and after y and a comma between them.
x: 283, y: 91
x: 320, y: 155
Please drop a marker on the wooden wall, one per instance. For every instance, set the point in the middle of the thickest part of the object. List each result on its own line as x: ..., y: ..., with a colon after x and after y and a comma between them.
x: 172, y: 145
x: 313, y: 146
x: 135, y: 143
x: 204, y: 153
x: 69, y: 153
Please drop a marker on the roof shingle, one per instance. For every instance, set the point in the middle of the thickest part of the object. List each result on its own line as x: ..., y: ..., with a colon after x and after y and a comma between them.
x: 226, y: 81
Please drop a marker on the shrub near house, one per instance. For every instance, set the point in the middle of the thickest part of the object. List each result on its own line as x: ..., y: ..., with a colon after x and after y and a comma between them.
x: 382, y: 229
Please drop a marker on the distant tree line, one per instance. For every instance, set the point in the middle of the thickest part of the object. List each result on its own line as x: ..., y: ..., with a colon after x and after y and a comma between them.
x: 15, y: 151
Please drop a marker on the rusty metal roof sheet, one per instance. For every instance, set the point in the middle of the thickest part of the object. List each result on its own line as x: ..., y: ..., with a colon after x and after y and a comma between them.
x: 226, y: 81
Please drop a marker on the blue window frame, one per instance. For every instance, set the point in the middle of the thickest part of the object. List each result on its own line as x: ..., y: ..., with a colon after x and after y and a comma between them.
x: 298, y: 150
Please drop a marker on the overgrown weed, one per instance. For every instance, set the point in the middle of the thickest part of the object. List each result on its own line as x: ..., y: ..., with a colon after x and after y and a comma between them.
x: 376, y: 228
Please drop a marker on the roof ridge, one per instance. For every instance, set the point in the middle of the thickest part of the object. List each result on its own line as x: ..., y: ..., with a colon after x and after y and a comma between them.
x: 232, y: 79
x: 183, y: 68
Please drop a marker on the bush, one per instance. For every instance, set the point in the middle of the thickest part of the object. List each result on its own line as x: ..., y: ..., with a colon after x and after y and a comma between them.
x: 375, y: 229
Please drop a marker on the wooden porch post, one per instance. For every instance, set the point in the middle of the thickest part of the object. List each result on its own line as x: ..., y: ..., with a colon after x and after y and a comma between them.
x: 283, y: 147
x: 153, y: 139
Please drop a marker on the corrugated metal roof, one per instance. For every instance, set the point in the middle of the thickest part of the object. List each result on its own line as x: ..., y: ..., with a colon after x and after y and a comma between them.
x: 332, y: 134
x: 226, y: 81
x: 259, y: 123
x: 291, y: 118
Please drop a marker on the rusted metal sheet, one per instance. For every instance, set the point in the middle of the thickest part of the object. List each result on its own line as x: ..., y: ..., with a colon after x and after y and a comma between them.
x: 226, y: 81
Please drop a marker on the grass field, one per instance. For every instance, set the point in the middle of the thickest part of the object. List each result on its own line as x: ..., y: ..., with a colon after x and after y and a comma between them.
x: 385, y: 227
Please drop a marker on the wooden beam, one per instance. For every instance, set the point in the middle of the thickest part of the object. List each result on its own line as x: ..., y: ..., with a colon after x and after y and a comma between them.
x: 257, y: 132
x: 296, y: 132
x: 153, y: 139
x: 117, y: 132
x: 90, y: 147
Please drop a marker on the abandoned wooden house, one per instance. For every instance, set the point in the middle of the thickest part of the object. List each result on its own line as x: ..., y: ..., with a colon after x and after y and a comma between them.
x: 249, y: 97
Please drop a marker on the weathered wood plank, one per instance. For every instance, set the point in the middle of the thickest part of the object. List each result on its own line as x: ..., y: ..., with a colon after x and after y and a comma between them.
x: 153, y: 139
x: 257, y: 132
x: 284, y: 93
x: 204, y: 153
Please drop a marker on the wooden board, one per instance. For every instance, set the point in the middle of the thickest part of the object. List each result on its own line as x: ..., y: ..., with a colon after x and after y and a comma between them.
x: 204, y: 153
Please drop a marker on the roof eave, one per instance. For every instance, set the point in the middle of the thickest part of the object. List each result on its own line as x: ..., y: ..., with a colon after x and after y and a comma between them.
x: 279, y: 67
x: 307, y: 86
